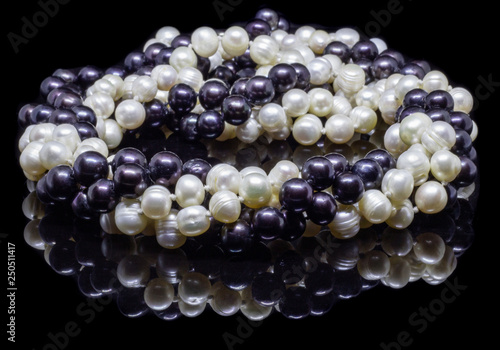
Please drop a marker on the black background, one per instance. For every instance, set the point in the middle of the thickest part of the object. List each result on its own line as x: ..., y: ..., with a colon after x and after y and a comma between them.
x: 458, y: 38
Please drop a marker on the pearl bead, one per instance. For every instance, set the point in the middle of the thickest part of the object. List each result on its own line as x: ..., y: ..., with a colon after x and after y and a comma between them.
x: 397, y: 184
x: 431, y: 197
x: 435, y: 80
x: 167, y: 34
x: 392, y: 141
x: 101, y: 103
x: 339, y: 129
x: 193, y: 220
x: 191, y: 76
x: 346, y: 223
x: 130, y: 114
x: 364, y: 119
x: 463, y: 100
x: 113, y: 135
x: 118, y: 84
x: 416, y: 163
x: 291, y: 56
x: 255, y: 188
x: 318, y: 41
x: 320, y: 69
x: 129, y: 218
x: 341, y: 105
x: 348, y: 36
x: 68, y: 135
x: 351, y: 79
x: 399, y: 273
x: 159, y: 294
x: 320, y: 102
x: 165, y: 76
x: 402, y: 216
x: 445, y: 166
x: 406, y: 84
x: 429, y: 248
x: 303, y: 33
x: 306, y: 53
x: 249, y: 131
x: 223, y: 177
x: 96, y: 144
x: 194, y: 288
x: 183, y: 56
x: 413, y: 126
x: 388, y: 106
x: 282, y: 171
x: 144, y: 88
x: 307, y: 129
x: 381, y: 44
x: 167, y: 232
x: 54, y: 153
x: 272, y: 117
x: 189, y: 191
x: 369, y: 97
x: 264, y: 50
x: 375, y: 206
x: 103, y: 85
x: 295, y: 102
x: 374, y: 265
x: 225, y: 206
x: 235, y: 41
x: 439, y: 135
x: 156, y: 202
x: 30, y: 159
x: 205, y: 41
x: 336, y: 63
x: 444, y: 267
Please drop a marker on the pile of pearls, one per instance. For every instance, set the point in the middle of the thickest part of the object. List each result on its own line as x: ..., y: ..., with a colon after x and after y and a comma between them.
x: 268, y: 80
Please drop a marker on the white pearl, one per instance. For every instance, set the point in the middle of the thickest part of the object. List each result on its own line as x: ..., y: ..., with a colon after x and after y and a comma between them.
x: 463, y: 100
x: 108, y: 224
x: 320, y: 102
x: 183, y: 56
x: 281, y: 134
x: 339, y: 129
x: 388, y: 106
x: 303, y: 33
x: 318, y: 40
x: 416, y: 163
x: 68, y: 135
x: 252, y: 170
x: 445, y: 165
x: 117, y: 82
x: 307, y: 129
x: 127, y: 86
x: 167, y: 34
x: 336, y: 64
x: 399, y: 273
x: 223, y: 177
x: 41, y: 132
x: 405, y: 84
x: 54, y: 153
x: 364, y: 119
x: 397, y: 184
x: 165, y: 76
x: 402, y: 216
x: 133, y: 271
x: 191, y: 76
x: 29, y: 159
x: 320, y: 70
x: 431, y: 197
x: 159, y: 294
x: 156, y: 202
x: 392, y: 141
x: 25, y: 138
x: 435, y: 80
x: 194, y: 288
x: 341, y: 105
x: 272, y: 117
x: 282, y: 171
x: 306, y: 53
x: 291, y: 56
x: 375, y: 206
x: 373, y: 265
x: 205, y: 41
x: 264, y: 50
x: 167, y: 232
x: 346, y: 222
x: 439, y: 135
x: 130, y: 114
x: 295, y: 102
x: 413, y: 126
x: 103, y: 85
x: 144, y: 88
x: 97, y: 145
x: 255, y: 188
x: 381, y: 44
x: 249, y: 131
x: 193, y: 220
x: 235, y: 41
x: 101, y: 103
x: 129, y: 218
x: 113, y: 135
x: 351, y: 79
x: 228, y: 133
x: 369, y: 97
x: 393, y: 80
x: 225, y: 206
x: 189, y: 191
x: 289, y: 41
x: 348, y: 36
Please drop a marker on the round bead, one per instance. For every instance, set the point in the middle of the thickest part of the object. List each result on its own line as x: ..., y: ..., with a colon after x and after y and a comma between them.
x: 193, y: 220
x: 375, y: 206
x: 318, y: 172
x: 413, y: 126
x: 182, y: 57
x: 89, y: 167
x: 259, y: 90
x: 320, y: 102
x: 255, y: 188
x: 320, y: 70
x: 182, y: 98
x: 194, y: 288
x: 322, y: 209
x: 296, y: 102
x: 130, y: 114
x: 445, y: 166
x: 369, y: 171
x: 235, y: 109
x: 54, y: 153
x: 165, y: 168
x: 399, y: 273
x: 402, y: 215
x: 268, y: 223
x: 129, y: 218
x: 144, y: 88
x: 264, y: 50
x: 351, y: 79
x: 416, y: 163
x: 296, y: 194
x: 431, y: 197
x: 189, y: 191
x: 364, y: 119
x: 282, y: 171
x: 439, y: 135
x: 346, y: 223
x: 374, y: 265
x: 283, y: 76
x: 397, y: 184
x: 429, y: 248
x: 348, y: 188
x: 272, y: 117
x: 392, y: 141
x: 235, y: 41
x: 223, y: 177
x: 339, y: 129
x: 165, y: 76
x: 159, y: 294
x: 167, y: 232
x: 205, y: 41
x: 463, y: 100
x: 60, y: 183
x: 307, y: 129
x: 156, y: 202
x: 131, y: 180
x: 101, y: 103
x: 225, y: 206
x: 435, y: 80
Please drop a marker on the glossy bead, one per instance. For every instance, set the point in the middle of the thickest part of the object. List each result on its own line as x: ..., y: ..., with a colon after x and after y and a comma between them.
x: 67, y: 134
x: 348, y: 188
x: 255, y: 189
x: 235, y: 109
x: 268, y: 223
x: 205, y: 41
x: 402, y: 216
x: 415, y: 97
x: 374, y: 265
x: 397, y: 184
x: 431, y: 197
x: 237, y: 236
x: 320, y: 69
x: 193, y: 220
x: 101, y: 196
x: 320, y: 102
x: 468, y: 172
x: 364, y: 119
x: 128, y: 155
x: 322, y: 209
x: 54, y: 153
x: 267, y: 288
x: 413, y: 126
x: 225, y: 301
x: 429, y: 248
x: 264, y: 49
x: 272, y: 117
x: 128, y: 217
x: 282, y: 171
x: 165, y: 168
x: 197, y: 167
x: 189, y: 191
x: 90, y: 167
x: 375, y: 206
x: 60, y: 183
x: 445, y: 166
x: 212, y: 93
x: 283, y: 77
x: 340, y: 49
x: 259, y: 90
x: 369, y: 171
x: 156, y: 202
x: 223, y: 177
x: 318, y: 172
x: 435, y: 80
x: 438, y: 136
x: 296, y: 195
x: 296, y: 102
x: 339, y: 129
x: 210, y: 124
x: 462, y: 99
x: 235, y: 41
x: 339, y: 162
x: 307, y: 129
x: 182, y: 98
x: 167, y: 232
x: 351, y: 79
x: 159, y: 294
x: 439, y: 99
x: 194, y: 288
x: 416, y: 163
x: 399, y: 273
x: 383, y: 66
x: 225, y: 206
x: 295, y: 303
x: 346, y: 223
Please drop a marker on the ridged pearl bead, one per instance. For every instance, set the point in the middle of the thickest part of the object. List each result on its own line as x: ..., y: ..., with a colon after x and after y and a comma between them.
x: 375, y: 206
x: 397, y: 184
x: 255, y: 189
x: 413, y: 126
x: 225, y: 206
x: 223, y: 177
x: 445, y: 166
x: 129, y: 218
x: 193, y: 221
x: 416, y: 163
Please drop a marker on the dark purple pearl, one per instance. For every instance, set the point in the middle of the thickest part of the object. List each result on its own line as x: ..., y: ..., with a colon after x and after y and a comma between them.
x: 128, y: 155
x: 426, y: 67
x: 130, y: 180
x: 268, y: 223
x: 463, y: 142
x: 323, y: 208
x: 102, y: 197
x: 85, y: 114
x: 236, y: 110
x: 461, y: 120
x: 370, y: 172
x: 88, y: 75
x: 152, y: 51
x: 339, y: 49
x: 212, y: 93
x: 339, y: 162
x: 23, y: 115
x: 40, y: 114
x: 41, y: 192
x: 156, y: 113
x: 411, y: 68
x: 210, y: 124
x: 384, y: 66
x: 236, y: 237
x: 197, y: 167
x: 223, y: 73
x: 259, y: 90
x: 268, y: 15
x: 245, y: 60
x: 403, y: 112
x: 383, y: 158
x: 180, y: 40
x: 398, y: 56
x: 267, y: 288
x: 296, y: 194
x: 239, y: 86
x: 303, y: 76
x: 296, y: 303
x: 257, y: 27
x: 438, y: 114
x: 67, y: 100
x: 318, y: 172
x: 295, y: 225
x: 283, y: 76
x: 348, y: 188
x: 133, y: 61
x: 188, y: 127
x: 366, y: 65
x: 81, y: 208
x: 60, y: 183
x: 415, y: 97
x: 67, y: 75
x: 165, y: 168
x: 364, y: 49
x: 85, y: 130
x: 283, y: 24
x: 468, y: 173
x: 117, y: 69
x: 182, y: 98
x: 50, y: 83
x: 439, y: 99
x: 89, y: 167
x: 163, y: 56
x: 320, y: 280
x: 62, y: 116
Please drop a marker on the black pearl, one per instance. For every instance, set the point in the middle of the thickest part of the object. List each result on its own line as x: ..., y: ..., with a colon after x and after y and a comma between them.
x: 412, y: 68
x: 156, y: 113
x: 303, y: 76
x: 88, y: 75
x: 117, y: 69
x: 180, y: 40
x: 85, y: 130
x: 404, y: 112
x: 295, y: 303
x: 60, y: 183
x: 339, y: 49
x: 62, y: 116
x: 438, y: 114
x: 165, y: 168
x: 188, y: 127
x: 223, y: 73
x: 197, y: 167
x: 81, y: 208
x: 210, y: 124
x: 182, y: 98
x: 426, y: 67
x: 339, y: 162
x: 23, y: 115
x: 283, y: 76
x: 85, y: 114
x: 268, y: 223
x: 295, y: 225
x: 212, y: 93
x: 259, y: 90
x: 318, y: 172
x: 396, y: 55
x: 296, y: 194
x: 236, y: 237
x: 128, y: 155
x: 66, y: 75
x: 348, y: 188
x: 463, y: 142
x: 439, y: 99
x: 323, y: 208
x: 236, y: 110
x: 41, y: 114
x: 102, y: 196
x: 384, y: 66
x: 163, y: 56
x: 68, y: 100
x: 89, y: 167
x: 366, y: 65
x: 415, y: 97
x: 468, y: 173
x: 268, y: 15
x: 283, y: 24
x: 133, y: 61
x: 364, y: 49
x: 370, y: 172
x: 267, y: 288
x: 130, y: 180
x: 152, y: 51
x: 383, y: 158
x: 461, y: 120
x: 49, y: 84
x: 257, y: 27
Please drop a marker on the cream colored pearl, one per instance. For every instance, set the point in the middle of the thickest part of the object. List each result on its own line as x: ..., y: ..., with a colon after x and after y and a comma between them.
x: 113, y: 135
x: 205, y: 41
x: 156, y: 202
x: 101, y: 103
x: 159, y: 294
x: 416, y: 163
x: 54, y: 153
x: 223, y: 177
x: 30, y: 159
x: 399, y: 273
x: 282, y: 171
x: 364, y: 119
x: 429, y: 248
x: 118, y: 84
x: 307, y: 129
x: 165, y: 76
x: 341, y: 105
x: 345, y: 224
x: 348, y: 36
x: 320, y: 102
x: 413, y: 126
x: 320, y: 70
x: 318, y: 40
x: 194, y: 288
x: 68, y: 135
x: 102, y: 85
x: 392, y: 141
x: 431, y: 197
x: 381, y: 44
x: 405, y: 84
x: 291, y: 56
x: 167, y: 34
x: 388, y: 106
x: 336, y: 64
x: 249, y: 131
x: 307, y: 54
x: 296, y: 102
x: 183, y: 56
x: 225, y: 206
x: 463, y: 100
x: 191, y: 76
x: 144, y: 88
x: 402, y: 214
x: 193, y: 220
x: 189, y: 190
x: 339, y: 129
x: 445, y: 166
x: 435, y: 80
x: 351, y: 79
x: 228, y: 133
x: 167, y: 232
x: 373, y: 265
x: 439, y: 135
x: 264, y: 50
x: 127, y: 86
x: 235, y: 41
x: 397, y: 184
x: 108, y: 224
x: 272, y: 117
x: 369, y: 97
x: 392, y: 81
x: 129, y: 218
x: 375, y: 206
x: 25, y: 137
x: 255, y: 188
x: 303, y: 33
x: 130, y: 114
x: 97, y: 144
